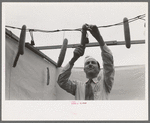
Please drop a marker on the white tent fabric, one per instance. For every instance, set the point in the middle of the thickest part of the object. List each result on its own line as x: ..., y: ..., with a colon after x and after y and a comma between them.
x: 28, y: 80
x: 129, y: 83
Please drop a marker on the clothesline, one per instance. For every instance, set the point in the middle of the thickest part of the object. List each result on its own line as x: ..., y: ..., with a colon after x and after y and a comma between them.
x: 79, y: 29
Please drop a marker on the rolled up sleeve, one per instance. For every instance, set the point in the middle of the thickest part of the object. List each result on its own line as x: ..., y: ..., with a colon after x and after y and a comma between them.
x: 64, y: 82
x: 108, y: 68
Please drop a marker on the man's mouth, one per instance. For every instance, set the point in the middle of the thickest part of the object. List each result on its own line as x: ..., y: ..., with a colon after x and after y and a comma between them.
x: 91, y: 68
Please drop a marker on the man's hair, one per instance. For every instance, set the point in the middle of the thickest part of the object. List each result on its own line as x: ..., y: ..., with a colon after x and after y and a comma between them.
x: 93, y: 58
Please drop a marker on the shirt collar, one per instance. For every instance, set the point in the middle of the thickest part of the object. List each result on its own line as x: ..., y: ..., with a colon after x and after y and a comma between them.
x: 97, y: 79
x: 94, y: 80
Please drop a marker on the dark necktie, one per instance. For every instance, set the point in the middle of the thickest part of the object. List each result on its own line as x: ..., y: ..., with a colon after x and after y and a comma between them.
x: 88, y: 91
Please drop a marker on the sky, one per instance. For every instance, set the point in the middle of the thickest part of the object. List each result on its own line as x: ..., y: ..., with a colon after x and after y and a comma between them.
x: 52, y: 16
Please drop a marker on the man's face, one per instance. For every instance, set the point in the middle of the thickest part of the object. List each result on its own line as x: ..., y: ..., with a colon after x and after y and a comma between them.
x: 91, y: 68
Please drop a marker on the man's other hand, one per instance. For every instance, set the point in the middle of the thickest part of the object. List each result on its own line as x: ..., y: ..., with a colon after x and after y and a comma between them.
x: 79, y: 51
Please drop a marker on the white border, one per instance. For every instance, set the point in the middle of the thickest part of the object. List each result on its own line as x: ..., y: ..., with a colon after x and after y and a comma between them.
x: 65, y: 110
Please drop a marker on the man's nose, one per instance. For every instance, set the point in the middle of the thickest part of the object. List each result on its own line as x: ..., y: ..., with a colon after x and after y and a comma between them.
x: 90, y: 64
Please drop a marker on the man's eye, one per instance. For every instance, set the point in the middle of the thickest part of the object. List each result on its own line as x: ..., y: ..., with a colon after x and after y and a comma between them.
x: 87, y: 63
x: 93, y: 62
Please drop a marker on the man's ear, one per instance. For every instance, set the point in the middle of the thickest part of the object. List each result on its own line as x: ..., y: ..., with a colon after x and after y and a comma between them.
x: 98, y: 65
x: 84, y: 69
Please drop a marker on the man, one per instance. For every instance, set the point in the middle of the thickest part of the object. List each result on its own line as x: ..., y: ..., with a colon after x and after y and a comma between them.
x: 99, y: 83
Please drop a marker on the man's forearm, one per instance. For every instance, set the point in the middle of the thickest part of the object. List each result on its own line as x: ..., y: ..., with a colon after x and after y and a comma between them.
x: 101, y: 41
x: 63, y: 79
x: 108, y: 67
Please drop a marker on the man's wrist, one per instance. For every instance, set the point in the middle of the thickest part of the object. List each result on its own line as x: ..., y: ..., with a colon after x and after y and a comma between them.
x: 73, y: 60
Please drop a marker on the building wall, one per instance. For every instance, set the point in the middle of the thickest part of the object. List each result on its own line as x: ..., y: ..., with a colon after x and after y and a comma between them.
x: 28, y: 80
